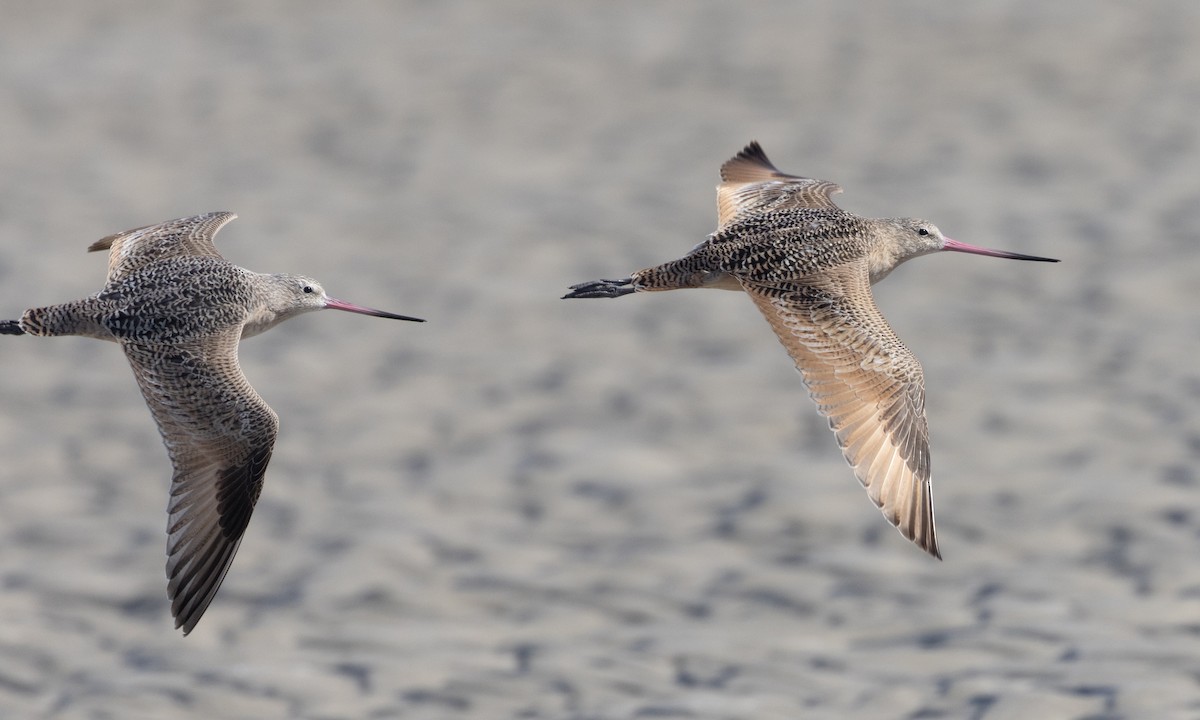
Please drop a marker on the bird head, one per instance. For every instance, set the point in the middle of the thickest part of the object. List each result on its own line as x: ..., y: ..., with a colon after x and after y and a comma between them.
x: 906, y: 238
x: 292, y: 295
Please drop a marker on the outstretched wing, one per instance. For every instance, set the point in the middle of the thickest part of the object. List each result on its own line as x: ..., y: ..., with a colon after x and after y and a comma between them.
x: 136, y: 248
x: 219, y: 434
x: 866, y: 382
x: 751, y: 184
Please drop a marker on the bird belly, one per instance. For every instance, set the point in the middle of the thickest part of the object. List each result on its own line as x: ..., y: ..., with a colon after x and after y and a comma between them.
x: 720, y: 280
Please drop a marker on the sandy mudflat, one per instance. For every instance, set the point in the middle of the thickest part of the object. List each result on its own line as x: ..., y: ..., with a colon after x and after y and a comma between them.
x: 529, y: 508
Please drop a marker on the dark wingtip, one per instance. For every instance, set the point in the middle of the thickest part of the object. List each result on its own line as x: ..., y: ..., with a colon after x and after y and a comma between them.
x: 11, y: 327
x: 752, y: 154
x: 753, y: 151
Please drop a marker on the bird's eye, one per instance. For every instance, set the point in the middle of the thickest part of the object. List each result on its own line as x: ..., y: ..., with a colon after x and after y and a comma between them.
x: 308, y: 289
x: 920, y: 231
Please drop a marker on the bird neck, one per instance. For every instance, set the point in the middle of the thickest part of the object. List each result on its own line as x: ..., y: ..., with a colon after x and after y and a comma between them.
x: 883, y: 258
x: 261, y: 320
x: 273, y: 303
x: 892, y: 244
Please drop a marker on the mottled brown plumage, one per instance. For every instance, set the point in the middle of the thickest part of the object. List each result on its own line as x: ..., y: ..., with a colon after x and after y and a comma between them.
x: 809, y: 265
x: 178, y: 310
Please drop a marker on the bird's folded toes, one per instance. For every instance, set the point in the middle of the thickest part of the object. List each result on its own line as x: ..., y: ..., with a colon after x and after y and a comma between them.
x: 601, y: 289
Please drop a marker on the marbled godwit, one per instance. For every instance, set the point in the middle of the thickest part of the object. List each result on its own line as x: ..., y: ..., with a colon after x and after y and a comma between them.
x: 178, y: 309
x: 809, y: 267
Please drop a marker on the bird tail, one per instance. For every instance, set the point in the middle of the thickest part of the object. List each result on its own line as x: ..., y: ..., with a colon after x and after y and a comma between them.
x: 73, y: 318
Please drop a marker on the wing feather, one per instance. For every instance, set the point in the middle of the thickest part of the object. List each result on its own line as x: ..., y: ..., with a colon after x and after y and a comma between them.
x: 867, y: 383
x: 219, y: 434
x: 133, y: 249
x: 751, y: 184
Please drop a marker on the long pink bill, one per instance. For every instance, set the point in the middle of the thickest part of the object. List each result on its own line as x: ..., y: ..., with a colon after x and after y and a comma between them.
x: 336, y: 304
x: 957, y: 246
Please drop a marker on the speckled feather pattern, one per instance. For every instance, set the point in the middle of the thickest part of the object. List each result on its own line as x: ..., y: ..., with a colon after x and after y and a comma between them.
x: 776, y: 247
x: 808, y: 266
x: 178, y: 310
x: 219, y: 434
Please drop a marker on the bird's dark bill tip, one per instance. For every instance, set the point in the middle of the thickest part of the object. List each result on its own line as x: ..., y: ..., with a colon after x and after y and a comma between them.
x: 1031, y: 258
x: 394, y: 316
x: 957, y: 246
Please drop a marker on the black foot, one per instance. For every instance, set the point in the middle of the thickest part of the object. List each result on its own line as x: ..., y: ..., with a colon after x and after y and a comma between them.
x: 601, y: 289
x: 11, y: 327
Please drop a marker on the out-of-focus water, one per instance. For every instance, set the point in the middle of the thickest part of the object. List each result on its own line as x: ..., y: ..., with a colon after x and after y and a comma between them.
x: 612, y: 509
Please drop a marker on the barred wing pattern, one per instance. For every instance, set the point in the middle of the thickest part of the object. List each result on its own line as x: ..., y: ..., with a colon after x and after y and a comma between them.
x: 139, y: 247
x: 750, y: 184
x: 219, y: 434
x: 866, y: 382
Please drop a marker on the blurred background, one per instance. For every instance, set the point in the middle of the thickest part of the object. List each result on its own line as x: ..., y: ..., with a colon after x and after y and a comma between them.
x: 611, y: 509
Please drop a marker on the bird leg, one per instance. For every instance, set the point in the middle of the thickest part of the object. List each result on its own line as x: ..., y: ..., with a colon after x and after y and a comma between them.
x: 601, y: 289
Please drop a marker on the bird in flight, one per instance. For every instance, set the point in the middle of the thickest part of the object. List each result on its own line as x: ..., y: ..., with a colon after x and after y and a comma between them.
x: 809, y: 265
x: 178, y: 310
